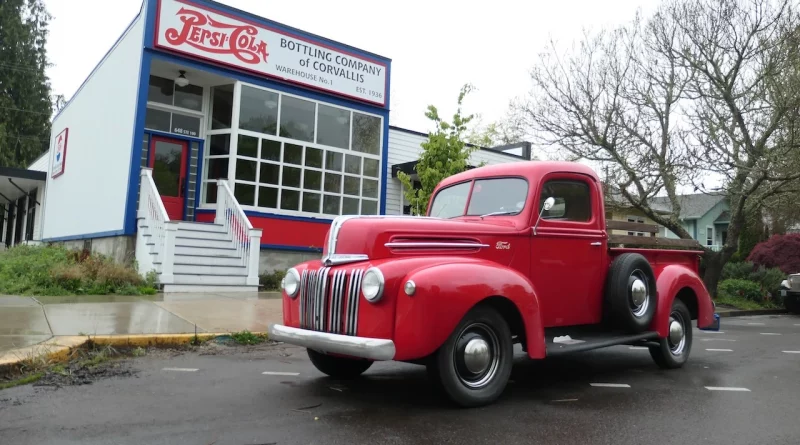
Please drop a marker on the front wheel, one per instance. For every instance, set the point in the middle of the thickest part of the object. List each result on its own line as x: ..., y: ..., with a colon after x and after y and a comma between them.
x: 674, y: 350
x: 474, y: 364
x: 338, y: 367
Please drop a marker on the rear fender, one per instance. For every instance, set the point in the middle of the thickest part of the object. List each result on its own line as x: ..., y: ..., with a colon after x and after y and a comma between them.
x: 671, y: 280
x: 446, y: 292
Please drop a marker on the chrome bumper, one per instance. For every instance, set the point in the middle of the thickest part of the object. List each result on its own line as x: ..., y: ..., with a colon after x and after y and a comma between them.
x: 362, y: 347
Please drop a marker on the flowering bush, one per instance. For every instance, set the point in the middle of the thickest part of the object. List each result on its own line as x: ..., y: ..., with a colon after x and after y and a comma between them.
x: 781, y: 251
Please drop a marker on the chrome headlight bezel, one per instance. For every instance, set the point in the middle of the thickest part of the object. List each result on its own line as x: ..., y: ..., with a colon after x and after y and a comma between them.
x: 291, y: 283
x: 373, y: 291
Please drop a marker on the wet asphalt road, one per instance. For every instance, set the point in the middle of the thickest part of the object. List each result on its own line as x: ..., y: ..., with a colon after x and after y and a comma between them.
x: 228, y: 399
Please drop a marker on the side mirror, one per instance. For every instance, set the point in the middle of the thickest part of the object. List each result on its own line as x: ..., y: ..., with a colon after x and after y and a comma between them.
x: 548, y: 204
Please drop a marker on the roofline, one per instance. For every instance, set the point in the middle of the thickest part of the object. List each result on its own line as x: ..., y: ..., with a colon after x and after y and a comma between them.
x: 23, y: 173
x: 491, y: 150
x: 45, y: 153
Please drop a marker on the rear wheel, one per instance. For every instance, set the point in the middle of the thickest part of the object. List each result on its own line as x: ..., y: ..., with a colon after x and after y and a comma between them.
x: 474, y: 364
x: 631, y: 293
x: 338, y: 367
x: 674, y: 350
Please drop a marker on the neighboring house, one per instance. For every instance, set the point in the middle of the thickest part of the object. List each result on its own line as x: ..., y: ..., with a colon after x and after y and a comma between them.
x: 619, y: 209
x: 705, y: 217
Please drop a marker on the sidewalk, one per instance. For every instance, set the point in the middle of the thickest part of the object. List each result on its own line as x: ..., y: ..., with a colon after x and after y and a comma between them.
x: 27, y: 321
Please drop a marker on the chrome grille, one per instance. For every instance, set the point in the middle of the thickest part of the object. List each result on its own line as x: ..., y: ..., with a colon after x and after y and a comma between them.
x: 329, y: 300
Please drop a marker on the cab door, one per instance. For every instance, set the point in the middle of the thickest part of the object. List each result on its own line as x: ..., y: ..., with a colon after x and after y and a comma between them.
x: 568, y: 251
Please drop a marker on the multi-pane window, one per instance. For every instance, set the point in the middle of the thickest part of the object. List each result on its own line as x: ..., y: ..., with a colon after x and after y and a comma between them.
x: 165, y: 98
x: 295, y: 155
x: 636, y: 219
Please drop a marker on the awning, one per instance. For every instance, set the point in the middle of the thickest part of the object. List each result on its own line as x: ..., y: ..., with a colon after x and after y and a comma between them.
x: 18, y: 182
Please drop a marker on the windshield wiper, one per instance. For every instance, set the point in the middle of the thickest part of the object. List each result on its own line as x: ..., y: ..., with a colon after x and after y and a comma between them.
x: 503, y: 212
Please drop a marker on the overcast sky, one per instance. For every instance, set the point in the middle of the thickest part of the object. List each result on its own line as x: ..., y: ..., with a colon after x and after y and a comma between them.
x: 435, y: 46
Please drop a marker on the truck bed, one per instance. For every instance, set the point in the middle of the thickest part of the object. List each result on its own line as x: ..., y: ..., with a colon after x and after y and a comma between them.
x: 649, y: 238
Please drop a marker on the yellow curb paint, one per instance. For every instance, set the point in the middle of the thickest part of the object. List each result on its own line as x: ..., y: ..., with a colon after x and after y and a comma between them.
x: 59, y: 348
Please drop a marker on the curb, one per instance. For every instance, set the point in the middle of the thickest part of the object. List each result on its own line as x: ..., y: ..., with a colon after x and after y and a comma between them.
x: 59, y: 349
x: 744, y: 313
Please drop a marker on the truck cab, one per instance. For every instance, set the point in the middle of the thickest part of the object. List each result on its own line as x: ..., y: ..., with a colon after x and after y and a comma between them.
x: 512, y: 253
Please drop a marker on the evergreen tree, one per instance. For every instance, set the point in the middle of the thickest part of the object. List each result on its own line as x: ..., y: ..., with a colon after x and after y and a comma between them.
x: 25, y: 101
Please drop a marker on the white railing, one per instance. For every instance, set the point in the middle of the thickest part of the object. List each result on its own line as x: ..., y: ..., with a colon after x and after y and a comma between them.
x: 246, y: 239
x: 159, y: 228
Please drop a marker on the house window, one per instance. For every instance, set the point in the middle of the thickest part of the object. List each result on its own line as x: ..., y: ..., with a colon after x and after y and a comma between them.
x: 572, y: 201
x: 636, y: 219
x: 295, y: 155
x: 709, y: 236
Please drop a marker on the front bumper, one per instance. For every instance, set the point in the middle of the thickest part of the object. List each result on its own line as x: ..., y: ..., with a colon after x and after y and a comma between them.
x: 362, y: 347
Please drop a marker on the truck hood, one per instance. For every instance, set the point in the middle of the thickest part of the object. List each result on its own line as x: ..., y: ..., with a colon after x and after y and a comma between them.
x: 384, y: 237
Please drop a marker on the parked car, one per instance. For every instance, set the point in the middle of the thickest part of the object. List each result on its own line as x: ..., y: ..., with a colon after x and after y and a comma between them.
x: 790, y: 293
x: 514, y: 253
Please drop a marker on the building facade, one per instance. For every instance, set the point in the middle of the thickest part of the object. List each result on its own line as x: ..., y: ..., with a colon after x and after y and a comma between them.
x: 195, y: 94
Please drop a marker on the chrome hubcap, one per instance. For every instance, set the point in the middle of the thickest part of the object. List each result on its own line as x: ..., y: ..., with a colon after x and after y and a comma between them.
x: 477, y: 355
x: 638, y: 292
x: 677, y: 333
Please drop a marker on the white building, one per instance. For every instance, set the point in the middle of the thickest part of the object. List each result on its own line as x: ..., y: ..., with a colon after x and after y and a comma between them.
x: 212, y: 145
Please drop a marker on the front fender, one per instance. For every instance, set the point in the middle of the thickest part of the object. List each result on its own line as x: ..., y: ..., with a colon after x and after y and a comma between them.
x: 445, y: 292
x: 671, y: 280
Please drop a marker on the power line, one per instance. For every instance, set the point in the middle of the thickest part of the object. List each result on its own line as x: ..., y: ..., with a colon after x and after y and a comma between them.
x: 25, y: 111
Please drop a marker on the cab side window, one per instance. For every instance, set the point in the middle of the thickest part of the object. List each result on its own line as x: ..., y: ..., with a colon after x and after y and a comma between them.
x: 573, y: 201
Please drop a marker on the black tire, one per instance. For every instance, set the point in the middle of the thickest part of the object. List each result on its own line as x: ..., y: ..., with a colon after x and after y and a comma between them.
x: 481, y: 327
x: 631, y: 270
x: 792, y: 303
x: 673, y: 352
x: 338, y: 367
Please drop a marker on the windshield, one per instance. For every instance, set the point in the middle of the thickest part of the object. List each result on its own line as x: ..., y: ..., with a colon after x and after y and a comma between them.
x: 501, y: 196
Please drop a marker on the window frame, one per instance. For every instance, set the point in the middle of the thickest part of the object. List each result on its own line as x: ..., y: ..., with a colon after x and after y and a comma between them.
x: 636, y: 219
x: 593, y: 220
x: 235, y: 132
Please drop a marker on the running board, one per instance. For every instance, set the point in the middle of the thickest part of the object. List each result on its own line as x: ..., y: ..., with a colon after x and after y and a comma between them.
x: 567, y: 344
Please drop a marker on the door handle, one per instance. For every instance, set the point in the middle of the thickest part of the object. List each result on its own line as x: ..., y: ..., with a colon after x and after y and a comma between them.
x: 596, y: 243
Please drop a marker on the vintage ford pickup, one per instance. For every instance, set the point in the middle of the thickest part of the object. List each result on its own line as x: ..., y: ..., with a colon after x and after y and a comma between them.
x: 518, y: 253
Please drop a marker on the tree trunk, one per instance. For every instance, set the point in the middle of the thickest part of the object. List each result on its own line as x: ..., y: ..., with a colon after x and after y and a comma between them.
x: 713, y: 271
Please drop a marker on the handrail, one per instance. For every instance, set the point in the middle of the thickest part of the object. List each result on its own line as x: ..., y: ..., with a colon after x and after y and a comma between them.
x: 236, y: 205
x: 154, y: 215
x: 245, y: 238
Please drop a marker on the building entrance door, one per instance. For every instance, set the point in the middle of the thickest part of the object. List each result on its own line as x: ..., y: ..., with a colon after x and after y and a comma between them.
x: 168, y: 161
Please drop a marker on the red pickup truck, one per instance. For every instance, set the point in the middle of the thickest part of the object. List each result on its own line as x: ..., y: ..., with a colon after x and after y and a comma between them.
x: 511, y: 253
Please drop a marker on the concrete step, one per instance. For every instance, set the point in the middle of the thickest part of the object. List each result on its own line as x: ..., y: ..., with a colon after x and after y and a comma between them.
x: 195, y: 288
x: 200, y: 234
x: 205, y: 250
x: 204, y: 269
x: 208, y: 260
x: 186, y: 240
x: 209, y: 280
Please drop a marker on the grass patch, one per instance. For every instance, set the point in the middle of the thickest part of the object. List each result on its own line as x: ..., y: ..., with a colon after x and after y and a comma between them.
x: 31, y: 378
x: 248, y: 338
x: 53, y: 270
x: 745, y: 304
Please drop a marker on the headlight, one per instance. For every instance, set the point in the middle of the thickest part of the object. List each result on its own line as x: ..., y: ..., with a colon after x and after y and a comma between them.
x: 372, y: 285
x: 291, y: 282
x: 785, y: 284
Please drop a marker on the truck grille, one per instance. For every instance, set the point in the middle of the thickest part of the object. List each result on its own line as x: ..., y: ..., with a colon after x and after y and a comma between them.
x: 329, y: 300
x: 794, y: 283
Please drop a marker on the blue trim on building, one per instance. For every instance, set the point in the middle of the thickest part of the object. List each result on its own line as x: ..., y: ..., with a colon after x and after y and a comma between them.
x: 385, y: 148
x: 274, y: 216
x: 292, y: 248
x: 129, y: 223
x: 86, y: 236
x: 164, y: 134
x: 281, y: 27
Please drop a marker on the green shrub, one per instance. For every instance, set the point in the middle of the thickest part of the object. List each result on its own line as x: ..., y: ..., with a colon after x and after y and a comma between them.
x: 737, y: 271
x: 55, y: 270
x: 748, y: 290
x: 768, y: 278
x: 272, y: 281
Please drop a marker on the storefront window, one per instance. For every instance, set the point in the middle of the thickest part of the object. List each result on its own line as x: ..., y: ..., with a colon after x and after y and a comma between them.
x: 221, y: 107
x: 296, y: 155
x: 164, y: 91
